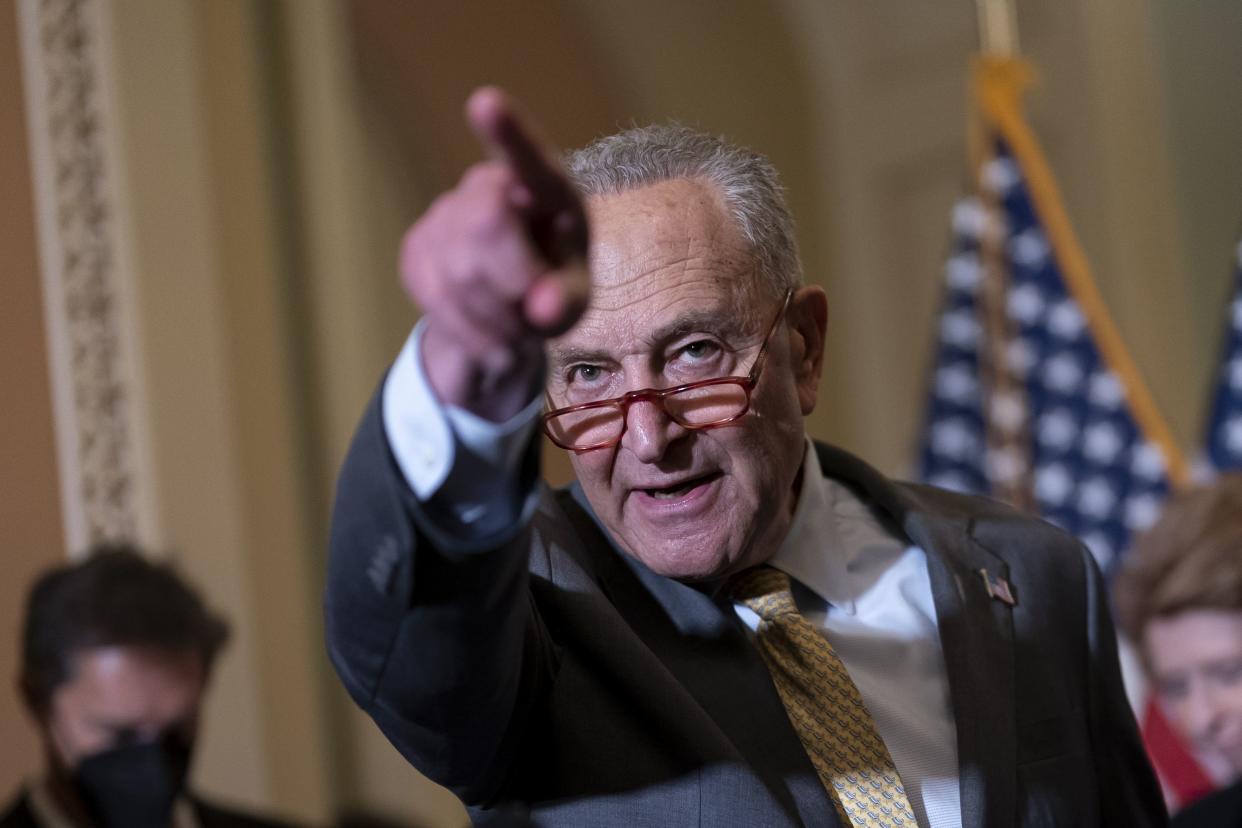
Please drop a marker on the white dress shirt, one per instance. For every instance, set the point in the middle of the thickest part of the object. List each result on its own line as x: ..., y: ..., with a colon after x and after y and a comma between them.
x: 869, y: 591
x: 854, y: 578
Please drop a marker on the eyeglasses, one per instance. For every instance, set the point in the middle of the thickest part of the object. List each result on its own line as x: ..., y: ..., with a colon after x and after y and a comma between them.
x: 697, y: 405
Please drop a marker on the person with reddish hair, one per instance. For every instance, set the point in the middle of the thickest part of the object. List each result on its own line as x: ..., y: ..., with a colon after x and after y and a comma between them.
x: 1180, y: 600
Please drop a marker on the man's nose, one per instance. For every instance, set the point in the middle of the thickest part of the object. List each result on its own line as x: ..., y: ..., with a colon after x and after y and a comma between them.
x: 649, y: 431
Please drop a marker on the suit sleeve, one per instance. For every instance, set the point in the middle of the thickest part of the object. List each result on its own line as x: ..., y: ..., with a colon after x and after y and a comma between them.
x: 436, y: 639
x: 1130, y: 796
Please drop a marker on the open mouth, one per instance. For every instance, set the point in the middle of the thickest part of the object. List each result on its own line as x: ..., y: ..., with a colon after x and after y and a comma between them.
x: 681, y: 489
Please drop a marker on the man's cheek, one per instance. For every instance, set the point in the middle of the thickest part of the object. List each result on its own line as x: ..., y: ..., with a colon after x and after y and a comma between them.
x: 67, y: 744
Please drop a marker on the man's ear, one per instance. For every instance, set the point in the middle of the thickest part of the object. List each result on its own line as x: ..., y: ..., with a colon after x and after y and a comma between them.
x: 808, y: 322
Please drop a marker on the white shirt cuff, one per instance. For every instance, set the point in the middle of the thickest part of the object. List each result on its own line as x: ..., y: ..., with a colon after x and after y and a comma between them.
x: 447, y: 449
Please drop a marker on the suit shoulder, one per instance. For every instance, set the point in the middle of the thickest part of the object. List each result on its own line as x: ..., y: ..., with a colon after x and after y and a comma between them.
x: 1003, y: 529
x: 1221, y: 808
x: 949, y: 502
x: 17, y: 814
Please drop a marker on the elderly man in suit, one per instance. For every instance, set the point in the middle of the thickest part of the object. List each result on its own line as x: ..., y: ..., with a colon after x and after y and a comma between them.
x: 116, y: 655
x: 721, y: 622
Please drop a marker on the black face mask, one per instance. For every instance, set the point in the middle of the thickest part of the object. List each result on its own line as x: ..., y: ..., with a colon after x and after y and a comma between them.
x: 133, y: 786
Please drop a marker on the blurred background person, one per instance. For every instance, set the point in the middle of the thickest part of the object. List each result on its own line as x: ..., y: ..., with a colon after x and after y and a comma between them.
x: 1180, y: 600
x: 117, y: 654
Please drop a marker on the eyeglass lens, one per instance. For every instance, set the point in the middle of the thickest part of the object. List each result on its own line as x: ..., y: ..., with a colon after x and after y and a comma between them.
x: 695, y: 407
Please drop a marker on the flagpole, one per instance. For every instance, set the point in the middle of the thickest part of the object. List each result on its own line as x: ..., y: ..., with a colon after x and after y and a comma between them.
x: 998, y: 42
x: 998, y: 27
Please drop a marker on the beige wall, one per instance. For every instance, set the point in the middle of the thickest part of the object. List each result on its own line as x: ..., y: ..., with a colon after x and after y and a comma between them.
x: 30, y: 534
x: 226, y: 423
x: 1201, y: 65
x: 271, y: 154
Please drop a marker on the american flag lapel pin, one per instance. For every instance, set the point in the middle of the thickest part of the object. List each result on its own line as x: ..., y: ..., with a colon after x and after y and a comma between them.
x: 998, y: 588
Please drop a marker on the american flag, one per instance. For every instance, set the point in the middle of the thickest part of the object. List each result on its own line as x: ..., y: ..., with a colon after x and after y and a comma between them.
x: 1023, y: 404
x: 1033, y: 400
x: 1224, y: 432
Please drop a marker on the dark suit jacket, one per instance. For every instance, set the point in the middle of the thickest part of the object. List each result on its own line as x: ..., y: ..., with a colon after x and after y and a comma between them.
x: 20, y: 815
x: 1222, y: 809
x: 548, y: 674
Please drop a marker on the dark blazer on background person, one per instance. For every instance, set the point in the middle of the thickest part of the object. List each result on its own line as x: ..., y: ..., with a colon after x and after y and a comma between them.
x: 1222, y: 809
x: 21, y: 815
x: 549, y: 675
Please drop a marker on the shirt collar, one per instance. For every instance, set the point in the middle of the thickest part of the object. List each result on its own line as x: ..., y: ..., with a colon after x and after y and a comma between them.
x: 837, y: 544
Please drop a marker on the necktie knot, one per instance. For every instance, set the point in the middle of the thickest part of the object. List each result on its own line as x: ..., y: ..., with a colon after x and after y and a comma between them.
x: 765, y: 591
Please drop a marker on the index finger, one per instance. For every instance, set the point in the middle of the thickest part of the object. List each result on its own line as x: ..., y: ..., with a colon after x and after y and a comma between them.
x: 505, y: 136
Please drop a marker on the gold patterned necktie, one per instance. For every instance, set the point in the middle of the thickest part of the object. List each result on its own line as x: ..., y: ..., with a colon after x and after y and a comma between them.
x: 824, y: 706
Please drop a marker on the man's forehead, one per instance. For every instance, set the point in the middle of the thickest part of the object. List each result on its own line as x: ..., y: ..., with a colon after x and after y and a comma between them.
x: 665, y: 258
x: 120, y: 683
x: 120, y: 664
x: 639, y: 327
x: 667, y: 212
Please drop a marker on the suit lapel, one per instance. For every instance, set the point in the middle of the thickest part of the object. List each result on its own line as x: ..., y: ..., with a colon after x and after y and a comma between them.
x: 713, y: 659
x: 976, y: 637
x: 694, y: 632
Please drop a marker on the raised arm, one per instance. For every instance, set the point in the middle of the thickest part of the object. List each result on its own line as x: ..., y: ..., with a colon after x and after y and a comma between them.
x: 430, y: 629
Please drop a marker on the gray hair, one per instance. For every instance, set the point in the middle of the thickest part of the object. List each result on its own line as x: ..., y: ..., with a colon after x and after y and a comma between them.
x: 751, y: 188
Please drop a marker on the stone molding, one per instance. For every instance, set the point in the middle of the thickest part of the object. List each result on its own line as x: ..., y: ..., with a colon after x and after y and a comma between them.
x: 85, y: 272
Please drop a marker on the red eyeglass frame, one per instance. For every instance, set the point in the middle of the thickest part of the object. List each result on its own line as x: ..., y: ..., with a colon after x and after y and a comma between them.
x: 657, y: 395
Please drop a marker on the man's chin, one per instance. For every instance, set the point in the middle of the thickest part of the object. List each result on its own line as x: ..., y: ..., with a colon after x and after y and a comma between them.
x: 684, y: 565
